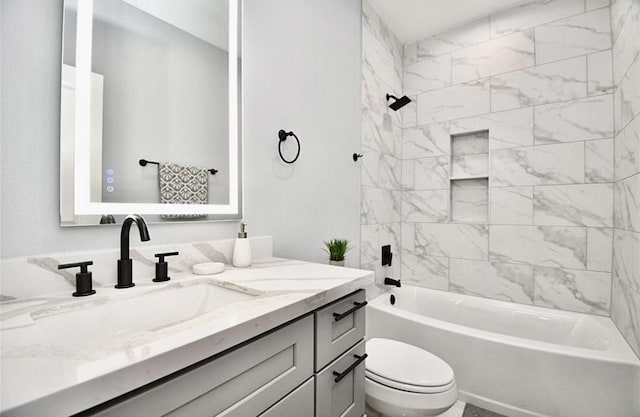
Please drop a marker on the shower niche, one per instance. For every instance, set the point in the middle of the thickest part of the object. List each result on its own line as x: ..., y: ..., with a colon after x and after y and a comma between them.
x: 469, y: 178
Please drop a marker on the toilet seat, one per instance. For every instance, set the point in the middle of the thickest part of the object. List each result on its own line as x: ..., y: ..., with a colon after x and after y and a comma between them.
x: 406, y: 367
x: 404, y: 380
x: 416, y: 389
x: 395, y: 402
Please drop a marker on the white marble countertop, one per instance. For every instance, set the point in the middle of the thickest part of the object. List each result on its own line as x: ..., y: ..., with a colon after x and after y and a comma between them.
x: 61, y: 355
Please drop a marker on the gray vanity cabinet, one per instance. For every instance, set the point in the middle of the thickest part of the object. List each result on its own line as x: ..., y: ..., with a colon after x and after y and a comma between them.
x: 287, y: 372
x: 244, y: 382
x: 339, y: 365
x: 299, y: 403
x: 334, y: 337
x: 344, y: 398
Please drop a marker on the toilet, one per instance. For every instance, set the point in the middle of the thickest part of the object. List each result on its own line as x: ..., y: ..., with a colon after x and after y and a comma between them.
x: 403, y: 380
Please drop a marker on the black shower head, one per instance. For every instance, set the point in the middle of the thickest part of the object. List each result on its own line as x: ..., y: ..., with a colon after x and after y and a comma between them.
x: 399, y: 102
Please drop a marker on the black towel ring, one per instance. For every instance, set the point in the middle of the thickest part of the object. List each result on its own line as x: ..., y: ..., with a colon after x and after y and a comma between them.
x: 283, y: 136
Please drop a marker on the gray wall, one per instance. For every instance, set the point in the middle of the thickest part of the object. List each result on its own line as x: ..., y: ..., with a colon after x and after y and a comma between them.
x: 305, y: 56
x: 301, y: 74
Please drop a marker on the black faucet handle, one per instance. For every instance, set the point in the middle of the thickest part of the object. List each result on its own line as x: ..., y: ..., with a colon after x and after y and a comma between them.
x: 161, y: 256
x: 84, y: 285
x: 387, y: 256
x: 162, y: 268
x: 83, y: 266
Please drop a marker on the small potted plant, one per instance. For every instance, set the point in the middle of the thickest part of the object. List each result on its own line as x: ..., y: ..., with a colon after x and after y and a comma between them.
x: 336, y: 248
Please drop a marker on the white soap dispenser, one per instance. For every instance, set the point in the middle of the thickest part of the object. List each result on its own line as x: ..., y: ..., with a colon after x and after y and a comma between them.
x: 242, y: 249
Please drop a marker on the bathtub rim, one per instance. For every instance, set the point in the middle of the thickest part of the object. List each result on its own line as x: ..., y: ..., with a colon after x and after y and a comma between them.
x: 619, y: 350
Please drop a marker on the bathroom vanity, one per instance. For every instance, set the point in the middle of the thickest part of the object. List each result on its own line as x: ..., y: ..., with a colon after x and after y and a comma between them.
x: 280, y: 338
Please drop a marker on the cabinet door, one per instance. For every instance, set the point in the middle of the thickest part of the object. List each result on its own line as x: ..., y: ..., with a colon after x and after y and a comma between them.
x: 344, y: 398
x: 299, y: 403
x: 243, y: 382
x: 333, y: 337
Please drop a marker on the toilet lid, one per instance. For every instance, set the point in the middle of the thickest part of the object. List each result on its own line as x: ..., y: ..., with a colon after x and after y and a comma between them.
x: 407, y: 367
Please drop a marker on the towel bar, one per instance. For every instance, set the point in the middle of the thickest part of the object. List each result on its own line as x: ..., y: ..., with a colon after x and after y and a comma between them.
x: 144, y: 162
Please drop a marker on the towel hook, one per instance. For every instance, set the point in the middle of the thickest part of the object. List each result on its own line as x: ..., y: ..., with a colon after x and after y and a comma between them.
x: 282, y: 135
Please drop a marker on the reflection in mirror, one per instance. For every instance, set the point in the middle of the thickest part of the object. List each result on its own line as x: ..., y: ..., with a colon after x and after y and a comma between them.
x: 160, y: 89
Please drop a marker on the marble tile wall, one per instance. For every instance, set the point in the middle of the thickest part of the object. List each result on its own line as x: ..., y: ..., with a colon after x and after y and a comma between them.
x: 539, y: 78
x: 625, y: 293
x: 381, y: 166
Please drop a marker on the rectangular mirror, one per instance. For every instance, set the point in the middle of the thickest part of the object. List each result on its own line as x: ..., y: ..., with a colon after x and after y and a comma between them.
x: 150, y: 115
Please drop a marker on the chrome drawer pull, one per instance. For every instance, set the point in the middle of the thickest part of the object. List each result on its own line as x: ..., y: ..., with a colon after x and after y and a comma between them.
x: 339, y: 375
x: 340, y: 316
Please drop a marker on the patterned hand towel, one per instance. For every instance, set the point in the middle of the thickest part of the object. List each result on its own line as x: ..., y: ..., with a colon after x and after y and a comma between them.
x: 180, y: 184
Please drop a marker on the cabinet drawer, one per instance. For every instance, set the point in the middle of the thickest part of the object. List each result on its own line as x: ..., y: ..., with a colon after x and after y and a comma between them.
x: 299, y: 403
x: 334, y: 334
x: 243, y: 382
x: 344, y: 398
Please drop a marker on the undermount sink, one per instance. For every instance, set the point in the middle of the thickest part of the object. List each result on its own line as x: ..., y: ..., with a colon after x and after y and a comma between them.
x: 104, y: 322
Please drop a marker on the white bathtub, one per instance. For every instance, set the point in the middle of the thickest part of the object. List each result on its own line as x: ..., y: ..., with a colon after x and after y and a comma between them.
x: 515, y: 359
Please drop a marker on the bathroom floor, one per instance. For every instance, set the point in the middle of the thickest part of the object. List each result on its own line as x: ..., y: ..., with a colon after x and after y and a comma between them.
x: 456, y: 411
x: 471, y: 410
x: 461, y: 409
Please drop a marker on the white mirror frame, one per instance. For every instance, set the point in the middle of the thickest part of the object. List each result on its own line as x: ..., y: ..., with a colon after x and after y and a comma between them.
x: 82, y: 202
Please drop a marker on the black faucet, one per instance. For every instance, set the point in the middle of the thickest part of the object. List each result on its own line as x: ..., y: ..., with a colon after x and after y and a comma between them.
x: 125, y: 268
x: 391, y: 281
